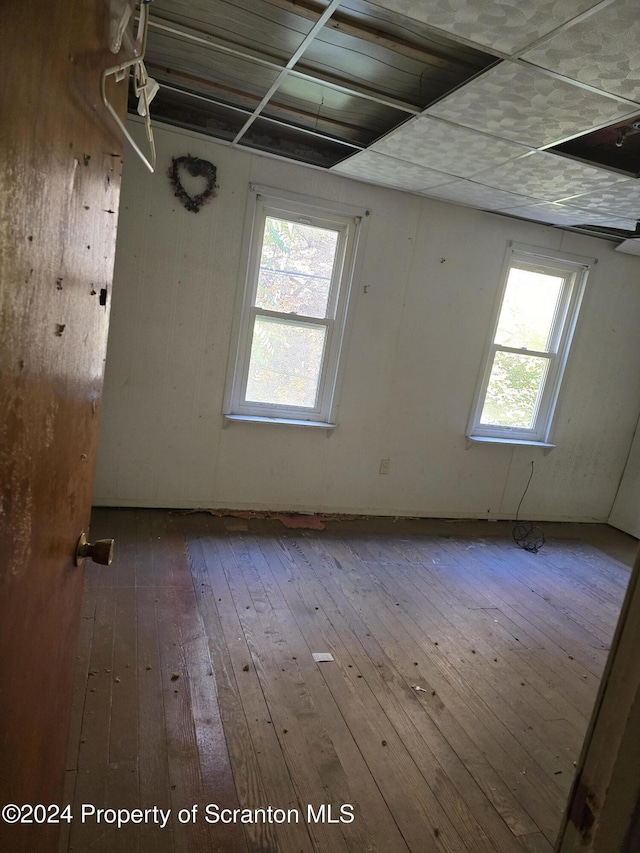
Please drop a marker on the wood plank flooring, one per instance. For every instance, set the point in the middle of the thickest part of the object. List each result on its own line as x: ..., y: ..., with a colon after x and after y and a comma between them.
x: 463, y: 676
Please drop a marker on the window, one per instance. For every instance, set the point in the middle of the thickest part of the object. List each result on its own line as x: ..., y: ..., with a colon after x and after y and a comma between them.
x: 529, y: 346
x: 289, y: 332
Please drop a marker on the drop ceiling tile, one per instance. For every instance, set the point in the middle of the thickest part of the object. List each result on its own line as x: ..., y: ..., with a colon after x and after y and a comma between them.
x: 447, y: 148
x: 476, y: 195
x: 520, y: 103
x: 622, y: 200
x: 589, y: 218
x: 601, y: 51
x: 504, y: 25
x: 371, y: 166
x: 549, y: 177
x: 560, y: 214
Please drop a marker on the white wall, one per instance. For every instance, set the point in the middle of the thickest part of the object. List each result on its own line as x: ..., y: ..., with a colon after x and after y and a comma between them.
x: 626, y: 508
x: 432, y: 271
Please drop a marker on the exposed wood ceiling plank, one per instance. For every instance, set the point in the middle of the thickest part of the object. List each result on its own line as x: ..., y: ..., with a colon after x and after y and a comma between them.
x: 329, y: 80
x: 342, y: 23
x: 249, y: 24
x: 206, y: 40
x: 296, y: 56
x: 340, y: 85
x: 316, y: 29
x: 228, y: 95
x: 351, y: 88
x: 223, y: 95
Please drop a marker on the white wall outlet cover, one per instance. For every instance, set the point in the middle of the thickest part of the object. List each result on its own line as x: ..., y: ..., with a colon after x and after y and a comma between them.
x: 322, y: 657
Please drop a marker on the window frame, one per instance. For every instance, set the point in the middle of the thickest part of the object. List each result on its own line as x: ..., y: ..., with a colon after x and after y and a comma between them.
x: 575, y: 270
x: 348, y: 221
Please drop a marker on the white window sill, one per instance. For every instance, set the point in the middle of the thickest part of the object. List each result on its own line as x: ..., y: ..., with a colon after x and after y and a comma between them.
x: 256, y: 419
x: 489, y: 439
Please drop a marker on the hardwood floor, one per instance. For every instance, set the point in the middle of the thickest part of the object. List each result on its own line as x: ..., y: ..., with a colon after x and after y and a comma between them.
x: 463, y: 675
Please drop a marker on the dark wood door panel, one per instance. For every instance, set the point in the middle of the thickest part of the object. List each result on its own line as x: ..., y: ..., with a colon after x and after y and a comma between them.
x: 59, y: 191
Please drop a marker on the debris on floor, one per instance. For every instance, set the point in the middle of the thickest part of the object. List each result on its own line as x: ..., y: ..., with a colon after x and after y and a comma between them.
x: 301, y: 520
x: 322, y: 657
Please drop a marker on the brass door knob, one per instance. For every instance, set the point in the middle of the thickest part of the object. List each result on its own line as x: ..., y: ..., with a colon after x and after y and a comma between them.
x: 101, y: 551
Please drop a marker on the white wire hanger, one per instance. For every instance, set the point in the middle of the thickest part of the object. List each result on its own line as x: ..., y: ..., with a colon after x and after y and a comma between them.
x: 145, y: 87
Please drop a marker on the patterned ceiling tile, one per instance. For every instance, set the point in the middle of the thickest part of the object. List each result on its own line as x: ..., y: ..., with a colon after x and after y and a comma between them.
x: 447, y: 148
x: 505, y: 25
x: 549, y: 177
x: 476, y: 195
x: 603, y: 50
x: 560, y: 214
x: 370, y: 166
x: 517, y: 102
x: 622, y: 200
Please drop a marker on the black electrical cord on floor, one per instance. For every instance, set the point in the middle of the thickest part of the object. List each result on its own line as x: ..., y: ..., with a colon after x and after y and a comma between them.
x: 526, y: 534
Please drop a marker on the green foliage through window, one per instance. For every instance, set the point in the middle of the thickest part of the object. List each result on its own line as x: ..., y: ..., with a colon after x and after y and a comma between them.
x: 530, y: 344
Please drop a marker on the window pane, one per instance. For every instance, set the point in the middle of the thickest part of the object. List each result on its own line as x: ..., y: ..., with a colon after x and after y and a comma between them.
x: 296, y: 265
x: 514, y: 391
x: 528, y: 309
x: 286, y: 359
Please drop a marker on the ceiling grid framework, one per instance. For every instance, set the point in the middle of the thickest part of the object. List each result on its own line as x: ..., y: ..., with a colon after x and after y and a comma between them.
x: 460, y: 100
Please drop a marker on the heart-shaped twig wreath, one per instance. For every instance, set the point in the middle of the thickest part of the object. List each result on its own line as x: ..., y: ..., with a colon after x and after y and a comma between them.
x: 197, y: 168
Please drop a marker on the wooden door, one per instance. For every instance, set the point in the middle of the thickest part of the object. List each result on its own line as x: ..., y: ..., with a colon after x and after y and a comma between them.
x: 60, y: 169
x: 603, y: 812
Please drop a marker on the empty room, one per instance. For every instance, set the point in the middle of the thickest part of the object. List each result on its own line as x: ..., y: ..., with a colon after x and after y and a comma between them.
x: 320, y: 467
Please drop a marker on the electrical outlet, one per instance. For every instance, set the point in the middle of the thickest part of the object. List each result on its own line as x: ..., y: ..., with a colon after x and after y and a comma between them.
x: 385, y: 466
